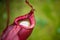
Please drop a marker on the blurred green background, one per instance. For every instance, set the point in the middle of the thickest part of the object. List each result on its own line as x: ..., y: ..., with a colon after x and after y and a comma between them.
x: 47, y: 15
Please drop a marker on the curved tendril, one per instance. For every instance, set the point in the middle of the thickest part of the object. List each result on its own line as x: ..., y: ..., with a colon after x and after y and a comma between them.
x: 28, y: 4
x: 32, y: 9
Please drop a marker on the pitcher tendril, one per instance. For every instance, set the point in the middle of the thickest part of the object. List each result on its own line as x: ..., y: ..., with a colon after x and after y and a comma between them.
x: 28, y: 4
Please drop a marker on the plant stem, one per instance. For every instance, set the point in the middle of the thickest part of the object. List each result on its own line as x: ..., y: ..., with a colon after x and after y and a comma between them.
x: 8, y: 12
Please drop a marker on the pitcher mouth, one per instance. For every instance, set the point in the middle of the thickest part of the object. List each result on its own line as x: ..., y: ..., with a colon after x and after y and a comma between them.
x: 25, y: 23
x: 28, y: 16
